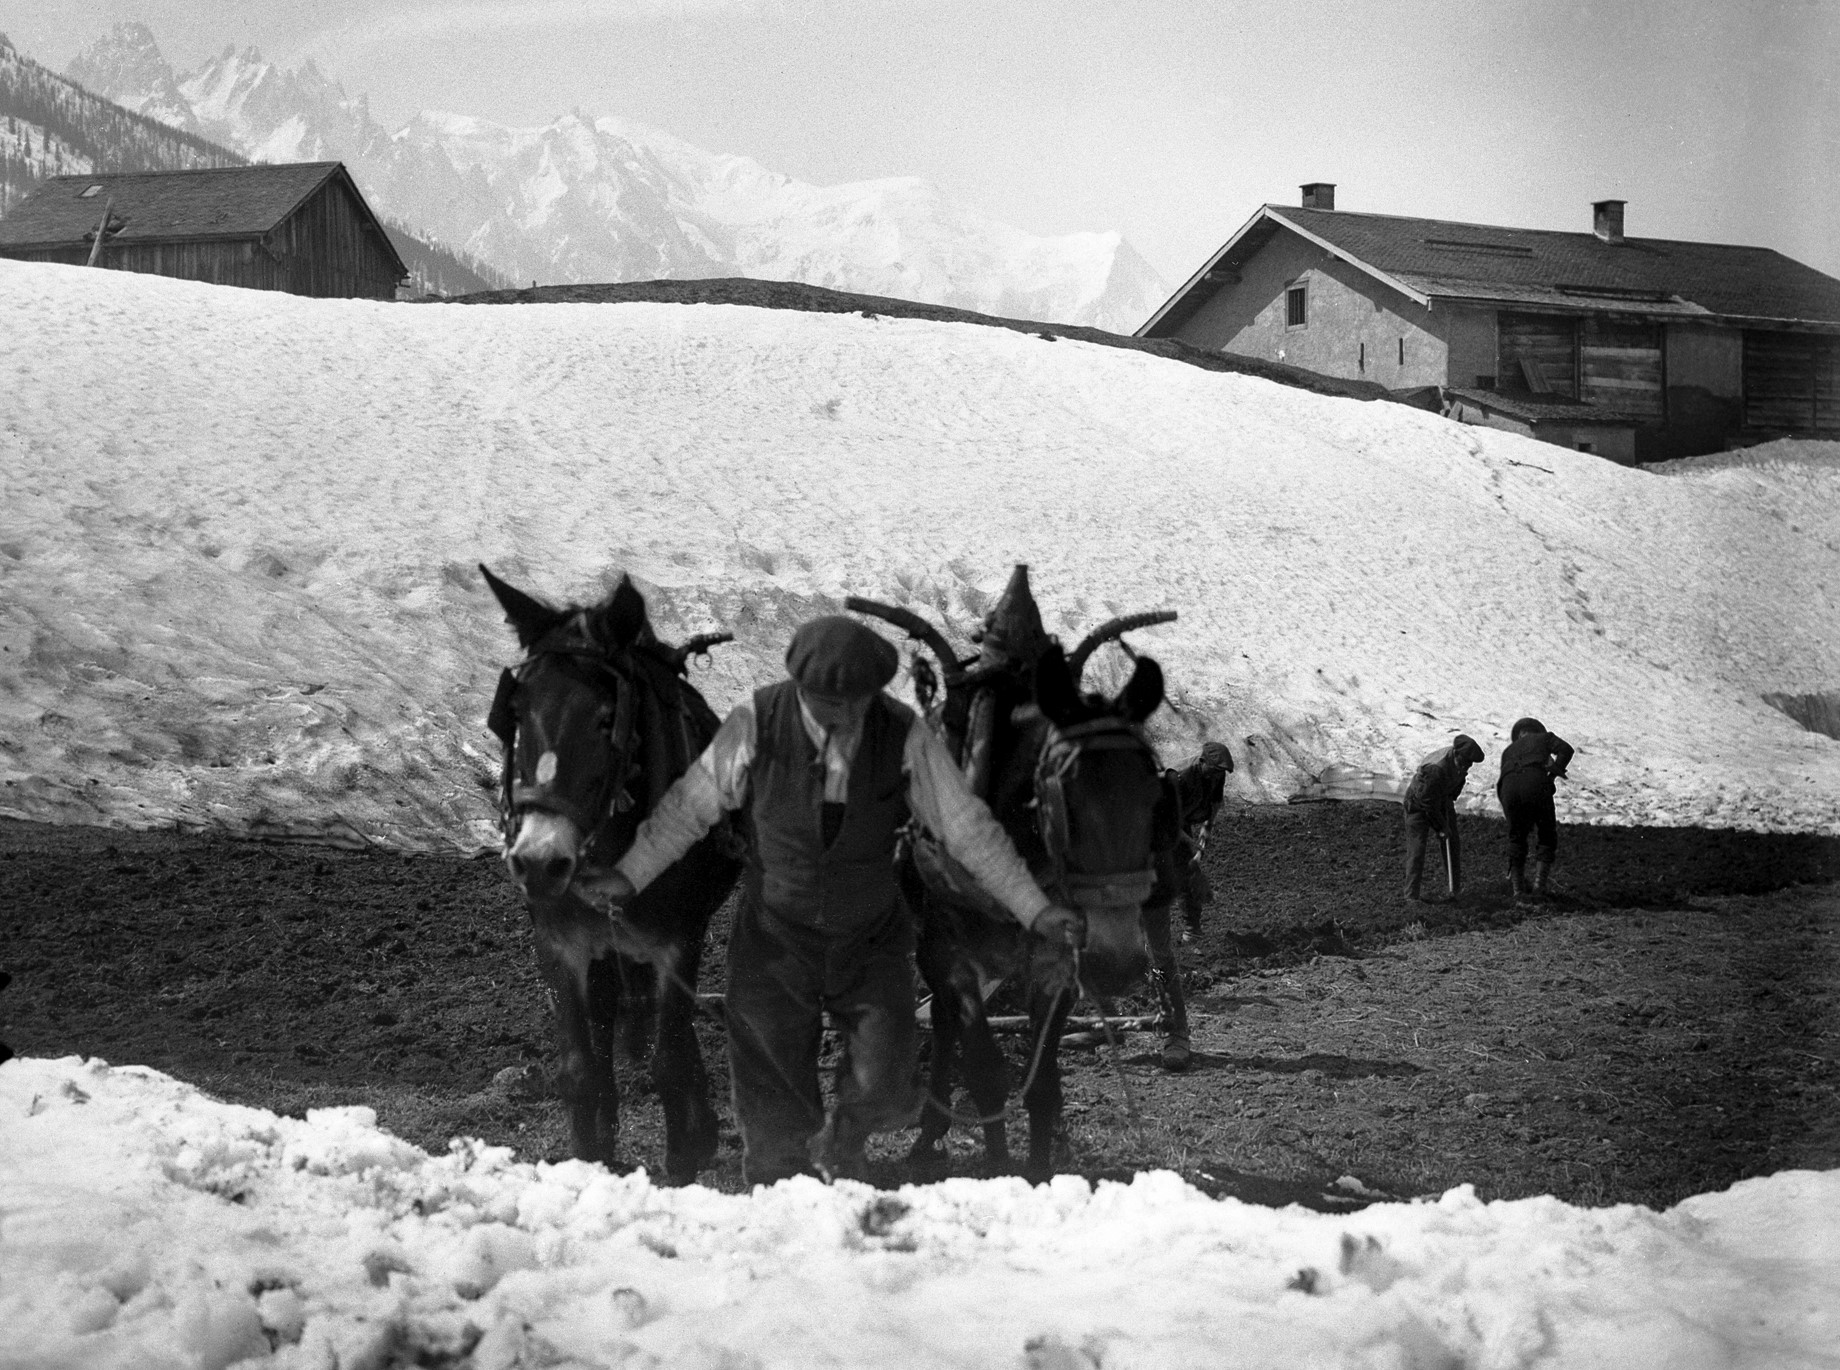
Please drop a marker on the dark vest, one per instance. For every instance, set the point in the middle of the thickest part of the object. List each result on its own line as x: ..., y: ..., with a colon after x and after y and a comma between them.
x: 850, y: 883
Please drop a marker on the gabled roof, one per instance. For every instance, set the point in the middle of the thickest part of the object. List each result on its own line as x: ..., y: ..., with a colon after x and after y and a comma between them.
x: 1437, y: 259
x: 210, y: 203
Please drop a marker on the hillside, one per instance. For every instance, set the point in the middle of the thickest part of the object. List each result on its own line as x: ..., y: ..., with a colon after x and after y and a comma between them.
x: 255, y: 605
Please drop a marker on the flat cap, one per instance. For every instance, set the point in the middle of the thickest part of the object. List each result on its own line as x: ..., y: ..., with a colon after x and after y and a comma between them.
x: 840, y: 658
x: 1215, y: 754
x: 1466, y: 748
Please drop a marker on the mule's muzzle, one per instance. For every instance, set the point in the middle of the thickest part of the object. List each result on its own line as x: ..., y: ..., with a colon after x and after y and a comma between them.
x: 543, y: 859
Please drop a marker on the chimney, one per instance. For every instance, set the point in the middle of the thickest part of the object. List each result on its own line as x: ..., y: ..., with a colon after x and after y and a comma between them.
x: 1607, y: 219
x: 1319, y: 195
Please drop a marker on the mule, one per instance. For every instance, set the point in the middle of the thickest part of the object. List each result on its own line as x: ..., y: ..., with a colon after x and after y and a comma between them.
x: 597, y: 721
x: 1078, y: 788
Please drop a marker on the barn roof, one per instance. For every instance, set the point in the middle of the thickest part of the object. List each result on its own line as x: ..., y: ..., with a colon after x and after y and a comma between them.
x: 1429, y: 259
x: 210, y: 203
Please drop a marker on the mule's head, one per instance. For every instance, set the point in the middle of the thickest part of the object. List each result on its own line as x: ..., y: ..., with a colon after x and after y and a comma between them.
x: 1097, y: 788
x: 569, y: 720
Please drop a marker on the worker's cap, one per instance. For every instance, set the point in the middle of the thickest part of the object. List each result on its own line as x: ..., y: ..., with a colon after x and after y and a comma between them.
x: 1216, y: 755
x: 1464, y: 748
x: 839, y: 658
x: 1523, y: 726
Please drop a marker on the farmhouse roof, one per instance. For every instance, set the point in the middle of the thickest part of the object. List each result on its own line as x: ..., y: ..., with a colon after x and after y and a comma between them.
x: 1437, y: 259
x: 208, y: 203
x: 1543, y: 408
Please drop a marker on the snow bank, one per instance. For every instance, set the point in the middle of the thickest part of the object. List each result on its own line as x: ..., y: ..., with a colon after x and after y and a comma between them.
x: 145, y: 1225
x: 238, y: 531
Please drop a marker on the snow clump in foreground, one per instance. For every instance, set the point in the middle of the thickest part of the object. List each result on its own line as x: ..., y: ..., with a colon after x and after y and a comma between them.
x: 145, y: 1225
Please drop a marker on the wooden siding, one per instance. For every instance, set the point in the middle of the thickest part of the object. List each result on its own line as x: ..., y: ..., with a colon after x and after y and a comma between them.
x: 1791, y: 382
x: 1620, y: 364
x: 1549, y: 341
x: 326, y: 248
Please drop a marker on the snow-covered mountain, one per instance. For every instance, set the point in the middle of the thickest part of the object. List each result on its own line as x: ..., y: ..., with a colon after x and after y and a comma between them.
x: 607, y: 199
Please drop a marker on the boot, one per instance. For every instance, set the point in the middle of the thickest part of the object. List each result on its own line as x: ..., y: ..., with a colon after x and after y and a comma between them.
x: 1542, y: 872
x: 1176, y: 1053
x: 1517, y: 875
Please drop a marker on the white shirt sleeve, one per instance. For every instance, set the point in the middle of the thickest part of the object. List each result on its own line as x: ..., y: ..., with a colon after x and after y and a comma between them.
x: 937, y: 793
x: 715, y: 784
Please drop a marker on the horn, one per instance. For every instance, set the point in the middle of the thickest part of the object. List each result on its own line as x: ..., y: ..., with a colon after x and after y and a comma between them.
x: 916, y: 628
x: 696, y: 646
x: 1114, y: 628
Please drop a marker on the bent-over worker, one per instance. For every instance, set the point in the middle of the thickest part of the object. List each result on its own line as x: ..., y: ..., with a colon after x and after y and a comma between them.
x: 827, y: 768
x: 1431, y: 806
x: 1531, y: 762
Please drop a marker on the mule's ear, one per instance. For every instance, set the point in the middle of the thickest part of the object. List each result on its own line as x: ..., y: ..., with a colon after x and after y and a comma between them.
x: 529, y: 618
x: 1143, y: 692
x: 1057, y: 694
x: 622, y: 618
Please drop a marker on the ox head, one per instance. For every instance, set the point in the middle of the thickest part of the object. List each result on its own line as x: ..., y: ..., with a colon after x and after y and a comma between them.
x: 1098, y: 788
x: 566, y: 717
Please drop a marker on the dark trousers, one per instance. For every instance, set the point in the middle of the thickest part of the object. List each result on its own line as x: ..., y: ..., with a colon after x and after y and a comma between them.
x: 782, y: 978
x: 1527, y: 800
x: 1420, y: 824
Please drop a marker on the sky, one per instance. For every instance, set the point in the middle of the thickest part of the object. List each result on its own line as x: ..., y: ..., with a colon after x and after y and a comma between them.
x: 1168, y: 120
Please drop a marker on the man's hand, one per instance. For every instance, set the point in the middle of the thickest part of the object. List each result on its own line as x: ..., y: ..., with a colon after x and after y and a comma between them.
x: 607, y: 893
x: 1059, y: 924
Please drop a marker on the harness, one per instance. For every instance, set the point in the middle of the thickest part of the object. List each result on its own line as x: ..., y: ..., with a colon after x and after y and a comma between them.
x: 516, y: 796
x: 1058, y: 764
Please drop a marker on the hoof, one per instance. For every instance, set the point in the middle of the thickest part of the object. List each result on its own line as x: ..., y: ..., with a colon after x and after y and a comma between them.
x: 1176, y: 1055
x: 926, y: 1163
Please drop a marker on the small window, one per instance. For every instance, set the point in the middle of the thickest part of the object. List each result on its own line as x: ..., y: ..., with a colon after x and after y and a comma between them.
x: 91, y: 191
x: 1590, y: 447
x: 1402, y: 351
x: 1363, y: 361
x: 1296, y: 307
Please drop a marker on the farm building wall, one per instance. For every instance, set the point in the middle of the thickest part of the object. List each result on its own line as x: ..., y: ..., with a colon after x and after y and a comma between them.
x: 326, y: 248
x: 1704, y: 366
x: 329, y: 248
x: 1469, y: 342
x: 1354, y: 326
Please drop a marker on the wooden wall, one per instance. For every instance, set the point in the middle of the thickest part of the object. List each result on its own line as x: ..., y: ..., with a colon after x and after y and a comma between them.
x: 325, y: 248
x: 328, y: 249
x: 1791, y: 382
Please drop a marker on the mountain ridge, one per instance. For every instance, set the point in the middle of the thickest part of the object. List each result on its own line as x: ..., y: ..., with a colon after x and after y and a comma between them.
x: 52, y: 125
x: 603, y: 198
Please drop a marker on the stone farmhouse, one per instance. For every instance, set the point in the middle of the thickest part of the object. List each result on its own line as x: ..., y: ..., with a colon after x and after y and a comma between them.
x: 1638, y: 349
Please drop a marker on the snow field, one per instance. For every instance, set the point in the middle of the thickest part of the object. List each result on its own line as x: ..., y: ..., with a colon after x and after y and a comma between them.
x: 238, y: 532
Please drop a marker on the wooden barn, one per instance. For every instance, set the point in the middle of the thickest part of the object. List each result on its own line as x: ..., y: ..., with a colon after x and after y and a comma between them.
x: 1638, y: 349
x: 301, y: 227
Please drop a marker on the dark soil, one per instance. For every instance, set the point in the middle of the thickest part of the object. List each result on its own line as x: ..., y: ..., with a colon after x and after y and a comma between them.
x: 1666, y: 1023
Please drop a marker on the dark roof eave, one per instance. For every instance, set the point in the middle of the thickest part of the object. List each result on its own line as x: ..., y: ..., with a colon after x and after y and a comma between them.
x: 152, y: 239
x: 1692, y: 313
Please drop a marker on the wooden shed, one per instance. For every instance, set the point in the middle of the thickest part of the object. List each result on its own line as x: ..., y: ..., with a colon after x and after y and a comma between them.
x: 301, y: 227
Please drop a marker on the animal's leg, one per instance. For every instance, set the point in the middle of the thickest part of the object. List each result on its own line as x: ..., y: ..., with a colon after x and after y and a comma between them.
x: 682, y: 1079
x: 1176, y: 1051
x: 936, y: 1114
x: 1049, y: 1005
x: 987, y: 1079
x: 581, y: 1077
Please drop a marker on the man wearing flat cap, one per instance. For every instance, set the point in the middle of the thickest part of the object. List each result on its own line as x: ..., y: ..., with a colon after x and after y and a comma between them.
x: 827, y: 768
x: 1431, y: 806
